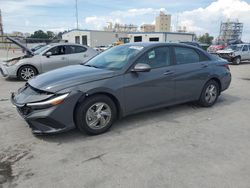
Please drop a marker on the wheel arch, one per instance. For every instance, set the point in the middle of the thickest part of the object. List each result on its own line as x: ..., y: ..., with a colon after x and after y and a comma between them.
x: 217, y: 80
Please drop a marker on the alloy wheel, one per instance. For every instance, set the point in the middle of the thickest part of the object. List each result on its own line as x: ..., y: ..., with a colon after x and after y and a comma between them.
x: 211, y: 93
x: 27, y: 73
x: 98, y: 115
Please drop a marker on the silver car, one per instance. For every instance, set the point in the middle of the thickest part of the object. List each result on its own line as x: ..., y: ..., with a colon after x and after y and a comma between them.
x: 47, y: 58
x: 235, y: 53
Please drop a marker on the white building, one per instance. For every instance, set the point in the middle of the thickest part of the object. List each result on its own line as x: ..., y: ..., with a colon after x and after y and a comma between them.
x: 93, y: 38
x: 160, y: 37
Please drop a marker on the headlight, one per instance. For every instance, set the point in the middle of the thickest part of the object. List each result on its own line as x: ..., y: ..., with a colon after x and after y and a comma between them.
x: 48, y: 103
x: 12, y: 62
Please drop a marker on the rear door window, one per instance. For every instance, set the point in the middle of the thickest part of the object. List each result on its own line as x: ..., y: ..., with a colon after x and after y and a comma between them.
x: 71, y: 49
x: 184, y: 55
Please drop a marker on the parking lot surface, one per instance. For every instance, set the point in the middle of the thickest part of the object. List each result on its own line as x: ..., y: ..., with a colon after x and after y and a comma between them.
x: 181, y: 146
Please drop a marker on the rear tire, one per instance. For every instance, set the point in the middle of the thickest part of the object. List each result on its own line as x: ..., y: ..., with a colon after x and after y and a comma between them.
x: 96, y: 114
x: 209, y: 94
x: 237, y: 60
x: 26, y: 72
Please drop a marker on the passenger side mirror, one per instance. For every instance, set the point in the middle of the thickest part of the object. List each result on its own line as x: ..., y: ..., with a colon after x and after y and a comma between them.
x: 141, y: 67
x: 48, y: 54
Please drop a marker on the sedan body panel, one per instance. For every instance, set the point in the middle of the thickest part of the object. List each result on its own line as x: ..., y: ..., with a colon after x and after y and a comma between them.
x: 148, y: 89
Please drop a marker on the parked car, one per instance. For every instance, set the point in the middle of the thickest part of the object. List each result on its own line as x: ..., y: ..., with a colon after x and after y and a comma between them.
x: 47, y: 58
x: 235, y: 53
x: 215, y: 47
x: 192, y: 43
x: 123, y: 80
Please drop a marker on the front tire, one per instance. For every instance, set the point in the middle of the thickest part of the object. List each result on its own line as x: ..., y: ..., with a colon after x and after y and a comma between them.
x: 96, y: 114
x: 26, y: 72
x: 209, y: 94
x: 237, y: 61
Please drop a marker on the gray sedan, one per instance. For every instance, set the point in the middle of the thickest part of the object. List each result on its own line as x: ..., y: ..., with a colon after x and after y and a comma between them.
x: 44, y: 59
x: 123, y: 80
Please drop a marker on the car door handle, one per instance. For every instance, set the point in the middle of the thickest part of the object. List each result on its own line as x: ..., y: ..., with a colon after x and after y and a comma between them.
x: 168, y: 72
x: 85, y: 55
x: 63, y: 58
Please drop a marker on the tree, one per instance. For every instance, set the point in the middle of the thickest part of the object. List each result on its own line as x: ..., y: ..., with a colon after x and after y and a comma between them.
x: 43, y: 35
x: 206, y: 38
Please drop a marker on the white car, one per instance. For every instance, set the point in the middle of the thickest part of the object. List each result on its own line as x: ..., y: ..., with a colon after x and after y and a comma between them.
x: 235, y: 53
x: 47, y: 58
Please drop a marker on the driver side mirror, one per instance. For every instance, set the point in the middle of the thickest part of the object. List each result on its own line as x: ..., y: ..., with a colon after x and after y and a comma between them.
x: 141, y: 67
x: 48, y: 54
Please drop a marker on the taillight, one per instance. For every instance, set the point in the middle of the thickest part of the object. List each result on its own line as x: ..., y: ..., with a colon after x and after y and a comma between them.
x: 226, y: 66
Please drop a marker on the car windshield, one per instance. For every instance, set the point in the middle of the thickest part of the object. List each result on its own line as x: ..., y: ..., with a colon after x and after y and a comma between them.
x: 234, y: 47
x: 40, y: 50
x: 115, y: 58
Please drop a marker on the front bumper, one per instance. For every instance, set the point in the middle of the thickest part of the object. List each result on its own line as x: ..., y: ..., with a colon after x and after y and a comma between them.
x: 226, y: 56
x: 7, y: 72
x: 55, y: 119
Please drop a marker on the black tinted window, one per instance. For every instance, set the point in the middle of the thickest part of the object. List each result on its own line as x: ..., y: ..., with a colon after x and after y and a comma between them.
x: 245, y: 48
x: 58, y: 50
x: 158, y: 57
x: 186, y: 55
x: 75, y: 49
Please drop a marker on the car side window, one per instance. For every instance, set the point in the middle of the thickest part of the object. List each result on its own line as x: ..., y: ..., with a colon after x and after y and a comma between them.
x: 75, y: 49
x: 245, y: 48
x: 57, y: 50
x: 156, y: 58
x: 186, y: 55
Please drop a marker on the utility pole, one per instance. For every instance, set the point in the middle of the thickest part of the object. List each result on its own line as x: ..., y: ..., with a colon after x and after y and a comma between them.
x: 1, y: 23
x: 77, y: 26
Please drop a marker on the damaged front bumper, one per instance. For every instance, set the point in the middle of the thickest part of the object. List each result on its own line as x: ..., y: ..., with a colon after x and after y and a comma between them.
x: 7, y: 71
x: 51, y: 119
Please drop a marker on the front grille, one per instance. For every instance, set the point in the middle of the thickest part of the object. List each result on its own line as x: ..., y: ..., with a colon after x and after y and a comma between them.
x: 24, y: 111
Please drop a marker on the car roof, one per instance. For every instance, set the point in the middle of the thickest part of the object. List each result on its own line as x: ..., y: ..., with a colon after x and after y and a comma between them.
x: 67, y: 44
x: 155, y: 44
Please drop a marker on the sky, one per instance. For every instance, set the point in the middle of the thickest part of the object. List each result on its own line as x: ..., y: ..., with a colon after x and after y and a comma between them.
x: 199, y: 16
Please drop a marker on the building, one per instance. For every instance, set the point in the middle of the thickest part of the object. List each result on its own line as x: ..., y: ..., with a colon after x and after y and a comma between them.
x: 231, y: 30
x: 163, y: 22
x: 147, y: 28
x: 93, y: 38
x: 160, y: 37
x: 121, y: 27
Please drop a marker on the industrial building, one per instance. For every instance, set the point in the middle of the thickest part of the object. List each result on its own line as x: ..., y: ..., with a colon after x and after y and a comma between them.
x: 160, y: 37
x: 230, y: 30
x: 93, y: 38
x: 163, y: 23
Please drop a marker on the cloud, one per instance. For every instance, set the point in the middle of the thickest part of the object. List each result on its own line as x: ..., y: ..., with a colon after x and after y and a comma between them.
x: 125, y: 16
x: 208, y: 19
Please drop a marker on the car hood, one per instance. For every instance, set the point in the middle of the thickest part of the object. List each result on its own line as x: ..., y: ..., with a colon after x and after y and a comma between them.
x: 59, y: 79
x: 225, y: 51
x: 20, y: 45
